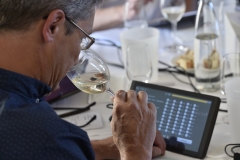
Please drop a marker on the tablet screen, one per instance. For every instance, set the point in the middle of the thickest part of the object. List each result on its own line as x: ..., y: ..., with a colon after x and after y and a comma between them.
x: 182, y: 117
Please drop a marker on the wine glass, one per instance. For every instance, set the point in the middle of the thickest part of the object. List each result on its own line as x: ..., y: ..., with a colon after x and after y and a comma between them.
x: 138, y: 62
x: 91, y: 74
x: 173, y: 11
x: 230, y: 68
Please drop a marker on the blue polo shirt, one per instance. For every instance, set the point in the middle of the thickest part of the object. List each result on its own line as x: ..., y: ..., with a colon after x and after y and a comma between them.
x: 29, y: 127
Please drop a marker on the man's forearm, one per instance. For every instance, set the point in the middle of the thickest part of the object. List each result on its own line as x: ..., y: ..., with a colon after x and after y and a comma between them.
x: 105, y: 149
x: 137, y: 153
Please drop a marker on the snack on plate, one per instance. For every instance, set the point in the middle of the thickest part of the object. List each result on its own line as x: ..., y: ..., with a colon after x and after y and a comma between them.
x: 186, y: 60
x: 213, y: 61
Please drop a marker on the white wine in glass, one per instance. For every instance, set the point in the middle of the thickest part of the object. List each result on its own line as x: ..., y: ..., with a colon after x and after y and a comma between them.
x: 92, y: 82
x: 91, y: 74
x: 173, y: 11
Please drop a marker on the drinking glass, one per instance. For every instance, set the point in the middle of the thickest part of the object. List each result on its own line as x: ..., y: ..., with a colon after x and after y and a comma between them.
x: 230, y: 68
x: 138, y: 62
x: 91, y: 74
x: 135, y: 14
x: 173, y: 10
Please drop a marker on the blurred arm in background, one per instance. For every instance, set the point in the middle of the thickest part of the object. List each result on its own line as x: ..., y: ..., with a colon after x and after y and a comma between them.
x: 112, y: 16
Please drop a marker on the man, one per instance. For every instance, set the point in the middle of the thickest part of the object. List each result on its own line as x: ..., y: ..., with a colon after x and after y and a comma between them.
x: 39, y: 41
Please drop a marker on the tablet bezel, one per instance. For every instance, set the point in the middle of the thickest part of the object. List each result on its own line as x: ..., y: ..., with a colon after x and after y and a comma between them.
x: 210, y: 123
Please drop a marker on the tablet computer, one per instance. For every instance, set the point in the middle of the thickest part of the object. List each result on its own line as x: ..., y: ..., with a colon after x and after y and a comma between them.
x: 185, y: 119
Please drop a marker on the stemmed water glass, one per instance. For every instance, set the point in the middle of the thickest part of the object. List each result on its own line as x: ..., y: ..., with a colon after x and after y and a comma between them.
x: 173, y: 10
x: 230, y: 68
x: 91, y: 74
x: 138, y: 62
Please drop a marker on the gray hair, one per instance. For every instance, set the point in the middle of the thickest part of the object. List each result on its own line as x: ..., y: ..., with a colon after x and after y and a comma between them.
x: 21, y: 14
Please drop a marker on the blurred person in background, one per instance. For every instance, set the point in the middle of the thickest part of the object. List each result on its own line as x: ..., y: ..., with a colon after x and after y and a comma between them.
x: 111, y: 13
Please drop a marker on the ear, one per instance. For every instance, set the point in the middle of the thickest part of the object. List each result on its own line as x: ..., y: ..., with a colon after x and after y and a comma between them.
x: 53, y: 24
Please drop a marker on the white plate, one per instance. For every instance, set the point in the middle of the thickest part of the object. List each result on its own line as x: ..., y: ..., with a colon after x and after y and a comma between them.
x: 174, y: 62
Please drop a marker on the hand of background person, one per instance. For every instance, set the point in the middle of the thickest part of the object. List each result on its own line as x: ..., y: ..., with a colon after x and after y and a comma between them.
x: 115, y: 15
x: 133, y: 7
x: 134, y: 125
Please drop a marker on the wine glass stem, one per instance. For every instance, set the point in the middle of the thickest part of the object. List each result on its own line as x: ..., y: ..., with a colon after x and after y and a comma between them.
x: 109, y: 91
x: 174, y: 29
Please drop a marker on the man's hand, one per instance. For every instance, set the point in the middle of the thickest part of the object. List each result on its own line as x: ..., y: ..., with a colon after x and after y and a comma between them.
x: 134, y: 129
x: 133, y: 124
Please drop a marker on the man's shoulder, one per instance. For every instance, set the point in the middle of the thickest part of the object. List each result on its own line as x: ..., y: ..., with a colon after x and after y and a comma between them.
x: 37, y: 129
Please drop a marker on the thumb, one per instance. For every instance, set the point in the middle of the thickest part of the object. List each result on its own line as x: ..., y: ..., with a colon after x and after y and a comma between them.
x: 156, y: 151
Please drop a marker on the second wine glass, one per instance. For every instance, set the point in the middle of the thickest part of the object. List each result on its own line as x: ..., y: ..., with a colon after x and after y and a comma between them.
x: 91, y: 74
x: 173, y: 10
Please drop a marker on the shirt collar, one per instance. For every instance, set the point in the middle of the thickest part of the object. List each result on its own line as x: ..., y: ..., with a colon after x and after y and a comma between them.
x: 24, y: 86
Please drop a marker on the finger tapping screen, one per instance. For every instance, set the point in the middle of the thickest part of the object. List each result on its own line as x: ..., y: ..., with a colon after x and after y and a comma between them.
x: 185, y: 119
